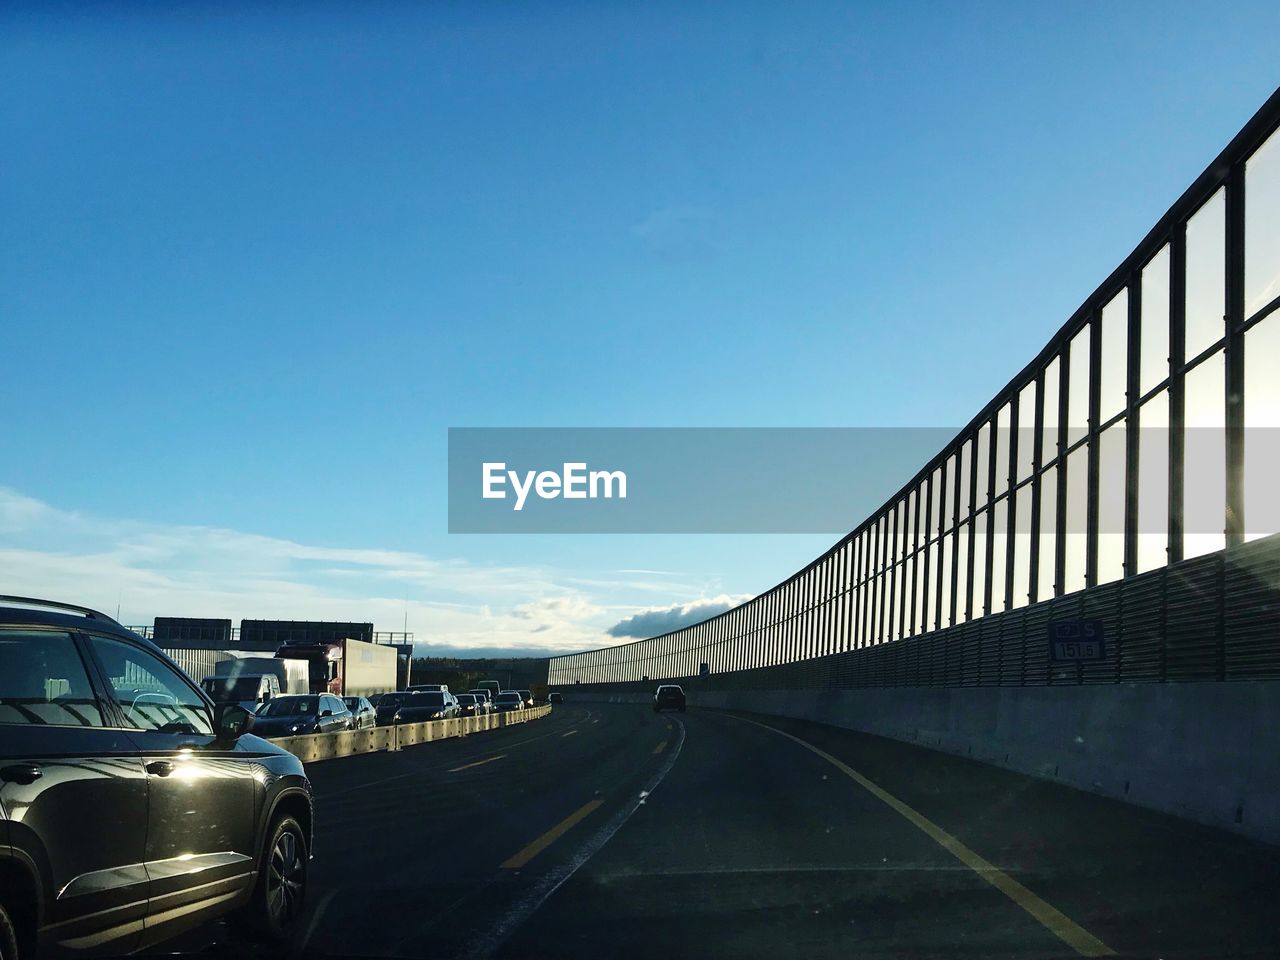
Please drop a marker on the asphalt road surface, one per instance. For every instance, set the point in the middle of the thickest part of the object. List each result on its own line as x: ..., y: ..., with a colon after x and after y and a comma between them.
x: 608, y: 831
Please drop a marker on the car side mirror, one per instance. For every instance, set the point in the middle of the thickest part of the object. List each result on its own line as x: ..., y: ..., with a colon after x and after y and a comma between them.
x: 232, y: 721
x: 326, y: 713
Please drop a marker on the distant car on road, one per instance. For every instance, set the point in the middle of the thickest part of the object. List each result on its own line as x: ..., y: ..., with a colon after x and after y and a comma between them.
x: 526, y: 696
x: 429, y: 688
x: 508, y: 700
x: 298, y: 714
x: 427, y: 705
x: 389, y: 703
x: 470, y: 705
x: 483, y: 692
x: 555, y: 696
x: 83, y: 805
x: 362, y: 711
x: 670, y: 696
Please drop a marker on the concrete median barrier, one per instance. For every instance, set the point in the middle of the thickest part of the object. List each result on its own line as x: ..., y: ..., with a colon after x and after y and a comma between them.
x: 313, y: 747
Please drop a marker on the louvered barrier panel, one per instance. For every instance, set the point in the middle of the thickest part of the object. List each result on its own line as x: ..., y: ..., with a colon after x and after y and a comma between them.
x: 1002, y: 643
x: 879, y: 675
x: 963, y: 657
x: 940, y: 658
x: 1251, y: 614
x: 1208, y: 618
x: 894, y: 663
x: 1142, y: 627
x: 1035, y: 648
x: 843, y: 674
x: 1193, y: 609
x: 910, y: 662
x: 1103, y: 603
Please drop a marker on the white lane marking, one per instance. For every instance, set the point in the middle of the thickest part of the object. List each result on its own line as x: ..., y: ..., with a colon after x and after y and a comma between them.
x: 569, y: 734
x: 429, y: 769
x: 316, y: 914
x: 798, y: 868
x: 551, y: 881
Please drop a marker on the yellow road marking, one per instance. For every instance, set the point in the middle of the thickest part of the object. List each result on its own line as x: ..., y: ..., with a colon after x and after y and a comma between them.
x: 660, y: 747
x: 569, y: 734
x: 478, y: 763
x: 1053, y: 919
x: 548, y: 838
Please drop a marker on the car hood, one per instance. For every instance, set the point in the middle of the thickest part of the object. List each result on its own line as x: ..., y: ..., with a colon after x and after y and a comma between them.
x: 281, y: 726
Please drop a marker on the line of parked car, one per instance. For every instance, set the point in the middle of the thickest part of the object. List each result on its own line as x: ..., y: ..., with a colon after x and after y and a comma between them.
x: 296, y: 714
x: 103, y: 737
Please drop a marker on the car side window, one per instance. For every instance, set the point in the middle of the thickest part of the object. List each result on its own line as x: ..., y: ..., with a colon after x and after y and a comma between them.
x: 150, y: 693
x: 44, y: 682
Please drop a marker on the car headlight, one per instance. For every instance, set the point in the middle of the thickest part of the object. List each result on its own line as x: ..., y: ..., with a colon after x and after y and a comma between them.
x: 295, y: 728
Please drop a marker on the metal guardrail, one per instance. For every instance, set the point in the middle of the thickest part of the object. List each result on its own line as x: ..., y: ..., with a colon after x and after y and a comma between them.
x: 312, y: 747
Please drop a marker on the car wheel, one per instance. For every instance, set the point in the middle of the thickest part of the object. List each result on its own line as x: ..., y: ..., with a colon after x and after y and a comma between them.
x: 8, y: 936
x: 281, y: 890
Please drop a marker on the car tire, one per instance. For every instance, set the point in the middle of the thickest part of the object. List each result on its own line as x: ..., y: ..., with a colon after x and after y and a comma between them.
x: 280, y: 893
x: 8, y: 936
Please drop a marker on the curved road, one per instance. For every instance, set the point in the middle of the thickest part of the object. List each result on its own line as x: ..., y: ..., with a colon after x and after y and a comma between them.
x: 608, y: 831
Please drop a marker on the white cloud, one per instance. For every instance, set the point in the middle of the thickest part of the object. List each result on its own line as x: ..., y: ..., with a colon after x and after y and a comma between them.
x: 656, y: 621
x: 152, y: 569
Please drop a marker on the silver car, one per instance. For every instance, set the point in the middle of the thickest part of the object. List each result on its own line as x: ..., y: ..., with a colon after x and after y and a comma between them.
x: 362, y: 712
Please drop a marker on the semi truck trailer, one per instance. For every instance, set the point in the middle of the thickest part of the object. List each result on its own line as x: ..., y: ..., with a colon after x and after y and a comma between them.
x: 292, y: 674
x: 345, y: 668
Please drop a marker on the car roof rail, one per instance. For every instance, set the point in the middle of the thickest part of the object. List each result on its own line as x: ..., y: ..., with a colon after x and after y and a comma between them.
x: 57, y: 605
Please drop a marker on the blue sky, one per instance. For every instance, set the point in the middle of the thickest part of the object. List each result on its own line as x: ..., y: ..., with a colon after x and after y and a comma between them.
x: 258, y: 258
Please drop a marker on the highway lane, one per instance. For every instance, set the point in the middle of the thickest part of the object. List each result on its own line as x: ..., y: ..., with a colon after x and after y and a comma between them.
x: 410, y: 846
x: 756, y: 845
x: 605, y: 830
x: 414, y: 860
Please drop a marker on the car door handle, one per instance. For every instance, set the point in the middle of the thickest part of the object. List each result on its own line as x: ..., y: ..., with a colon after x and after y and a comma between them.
x: 23, y: 773
x: 160, y: 768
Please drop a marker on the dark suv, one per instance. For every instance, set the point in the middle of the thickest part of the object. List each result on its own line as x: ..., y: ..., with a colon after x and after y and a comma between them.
x: 669, y: 697
x: 132, y: 809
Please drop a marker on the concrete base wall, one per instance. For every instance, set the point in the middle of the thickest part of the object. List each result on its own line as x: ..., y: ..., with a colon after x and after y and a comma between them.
x: 313, y: 747
x: 1208, y: 751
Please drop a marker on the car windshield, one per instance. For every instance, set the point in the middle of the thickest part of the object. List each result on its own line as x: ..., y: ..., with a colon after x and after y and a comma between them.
x: 232, y: 689
x: 289, y: 707
x: 903, y: 377
x: 425, y: 699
